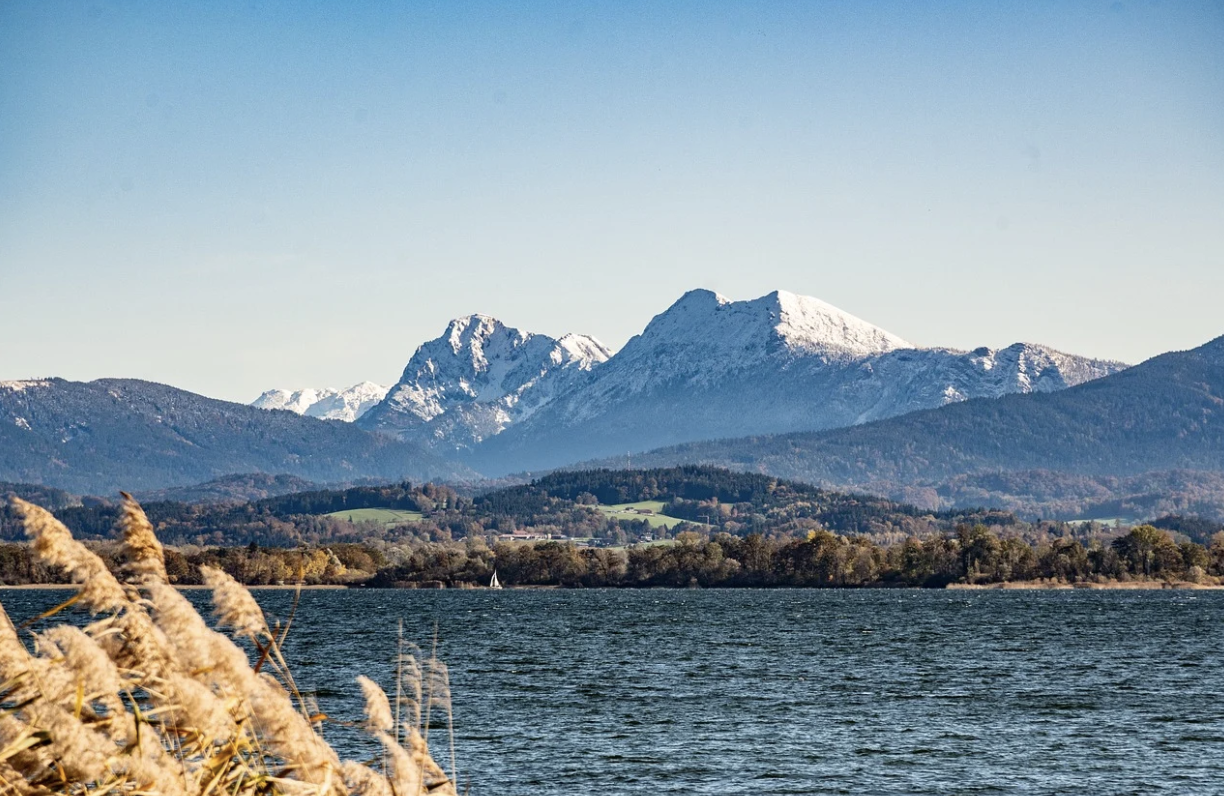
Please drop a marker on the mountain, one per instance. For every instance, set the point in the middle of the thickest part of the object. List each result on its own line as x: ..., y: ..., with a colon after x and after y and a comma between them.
x: 478, y: 378
x: 1163, y: 416
x: 100, y: 436
x: 505, y: 400
x: 325, y: 404
x: 710, y: 368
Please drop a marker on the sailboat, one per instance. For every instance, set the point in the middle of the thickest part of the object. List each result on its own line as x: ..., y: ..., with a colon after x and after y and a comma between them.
x: 495, y: 583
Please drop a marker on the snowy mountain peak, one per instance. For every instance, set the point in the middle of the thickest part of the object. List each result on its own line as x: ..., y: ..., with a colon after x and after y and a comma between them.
x: 704, y: 330
x: 296, y: 401
x: 477, y: 357
x: 472, y: 333
x: 699, y: 298
x: 480, y: 376
x: 810, y: 325
x: 325, y: 404
x: 583, y: 348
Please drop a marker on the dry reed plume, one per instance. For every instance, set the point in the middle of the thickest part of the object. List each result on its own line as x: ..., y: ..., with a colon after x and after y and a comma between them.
x: 147, y: 699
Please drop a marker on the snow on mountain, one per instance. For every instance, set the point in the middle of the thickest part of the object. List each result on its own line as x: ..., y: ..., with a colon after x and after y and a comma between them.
x: 296, y: 401
x: 710, y: 368
x: 705, y: 337
x: 907, y: 380
x: 22, y: 385
x: 325, y: 404
x: 703, y: 326
x: 478, y: 378
x: 705, y: 368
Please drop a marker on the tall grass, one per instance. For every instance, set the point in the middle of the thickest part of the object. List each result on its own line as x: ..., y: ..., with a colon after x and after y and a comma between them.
x: 148, y: 699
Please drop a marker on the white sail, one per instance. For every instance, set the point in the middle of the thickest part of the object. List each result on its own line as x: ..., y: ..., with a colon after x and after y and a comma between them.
x: 495, y: 583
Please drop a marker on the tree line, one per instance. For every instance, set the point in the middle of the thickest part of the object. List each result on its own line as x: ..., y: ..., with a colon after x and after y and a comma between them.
x: 970, y: 554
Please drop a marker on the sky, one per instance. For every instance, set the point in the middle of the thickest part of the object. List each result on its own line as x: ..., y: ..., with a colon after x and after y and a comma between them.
x: 229, y: 197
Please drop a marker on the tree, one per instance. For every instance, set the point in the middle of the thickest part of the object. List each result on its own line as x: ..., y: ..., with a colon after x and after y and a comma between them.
x: 1147, y: 550
x: 980, y: 550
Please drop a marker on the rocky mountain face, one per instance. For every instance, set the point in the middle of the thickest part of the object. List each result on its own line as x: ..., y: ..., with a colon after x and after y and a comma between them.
x: 101, y: 436
x: 479, y: 378
x: 710, y: 368
x: 325, y: 404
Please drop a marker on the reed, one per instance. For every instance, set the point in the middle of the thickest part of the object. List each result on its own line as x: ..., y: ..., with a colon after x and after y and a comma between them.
x: 148, y: 699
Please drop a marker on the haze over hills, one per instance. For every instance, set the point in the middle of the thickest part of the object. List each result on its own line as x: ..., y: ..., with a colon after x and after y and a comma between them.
x: 1164, y: 415
x: 102, y: 436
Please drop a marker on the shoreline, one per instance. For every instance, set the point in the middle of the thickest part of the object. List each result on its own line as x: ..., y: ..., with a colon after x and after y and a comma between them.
x: 1015, y: 585
x: 184, y: 587
x: 1118, y: 585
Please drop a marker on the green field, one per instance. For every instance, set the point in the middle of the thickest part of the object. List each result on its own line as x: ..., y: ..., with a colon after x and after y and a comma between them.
x: 387, y: 517
x: 655, y: 543
x: 630, y: 511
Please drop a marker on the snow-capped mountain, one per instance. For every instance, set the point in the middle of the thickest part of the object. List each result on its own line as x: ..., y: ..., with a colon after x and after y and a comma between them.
x: 705, y: 340
x: 325, y: 404
x: 477, y: 379
x: 710, y: 368
x: 706, y: 368
x: 703, y: 328
x: 505, y: 400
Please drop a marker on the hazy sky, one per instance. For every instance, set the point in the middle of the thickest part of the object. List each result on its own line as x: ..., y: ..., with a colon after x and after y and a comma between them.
x: 231, y: 197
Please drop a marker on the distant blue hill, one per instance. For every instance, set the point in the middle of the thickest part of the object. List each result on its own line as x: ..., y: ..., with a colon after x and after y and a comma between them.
x: 101, y: 436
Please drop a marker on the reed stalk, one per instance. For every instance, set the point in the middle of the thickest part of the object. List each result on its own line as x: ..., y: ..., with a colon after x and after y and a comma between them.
x: 148, y: 699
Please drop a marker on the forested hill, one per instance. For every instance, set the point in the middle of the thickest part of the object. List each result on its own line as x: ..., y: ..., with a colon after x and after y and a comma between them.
x: 48, y: 497
x: 564, y: 504
x: 717, y: 495
x: 279, y: 520
x: 1164, y: 414
x: 627, y: 486
x: 237, y: 488
x: 102, y: 436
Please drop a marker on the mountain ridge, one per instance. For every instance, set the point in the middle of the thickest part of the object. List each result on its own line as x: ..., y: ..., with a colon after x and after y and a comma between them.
x: 1163, y: 415
x: 488, y: 398
x: 503, y: 400
x: 101, y: 436
x: 709, y: 368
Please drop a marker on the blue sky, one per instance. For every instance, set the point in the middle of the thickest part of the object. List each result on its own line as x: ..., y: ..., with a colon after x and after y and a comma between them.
x: 231, y: 197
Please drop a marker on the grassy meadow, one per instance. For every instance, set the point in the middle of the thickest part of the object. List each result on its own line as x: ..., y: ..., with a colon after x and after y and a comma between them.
x: 633, y: 511
x: 388, y: 517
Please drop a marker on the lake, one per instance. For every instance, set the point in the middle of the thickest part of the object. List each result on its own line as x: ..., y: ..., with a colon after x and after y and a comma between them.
x: 787, y: 691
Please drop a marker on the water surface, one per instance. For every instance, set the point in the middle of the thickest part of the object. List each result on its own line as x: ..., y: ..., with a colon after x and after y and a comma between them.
x: 789, y: 691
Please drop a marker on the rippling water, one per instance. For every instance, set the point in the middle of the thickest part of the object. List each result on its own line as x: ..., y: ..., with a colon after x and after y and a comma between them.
x: 729, y: 692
